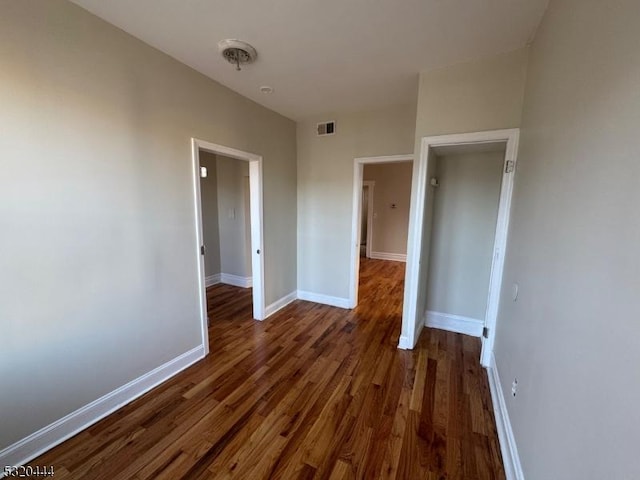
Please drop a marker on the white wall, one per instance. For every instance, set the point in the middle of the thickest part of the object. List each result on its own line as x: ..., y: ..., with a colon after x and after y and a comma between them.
x: 392, y: 187
x: 486, y: 94
x: 572, y: 337
x: 209, y: 201
x: 325, y: 184
x: 232, y: 216
x: 98, y: 257
x: 465, y: 211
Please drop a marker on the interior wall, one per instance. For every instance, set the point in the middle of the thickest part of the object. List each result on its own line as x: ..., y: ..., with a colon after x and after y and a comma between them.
x: 571, y: 337
x: 97, y: 211
x: 209, y: 201
x: 486, y: 94
x: 392, y: 187
x: 325, y: 188
x: 232, y: 208
x: 465, y: 211
x: 364, y: 217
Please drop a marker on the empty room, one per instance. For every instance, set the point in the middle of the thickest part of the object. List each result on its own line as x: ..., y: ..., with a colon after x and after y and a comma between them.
x: 328, y: 240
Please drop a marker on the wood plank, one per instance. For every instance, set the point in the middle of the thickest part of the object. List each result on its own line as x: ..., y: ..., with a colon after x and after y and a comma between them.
x: 313, y: 392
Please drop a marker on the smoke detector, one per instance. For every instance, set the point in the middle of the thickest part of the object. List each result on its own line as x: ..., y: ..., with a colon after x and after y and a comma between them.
x: 237, y: 52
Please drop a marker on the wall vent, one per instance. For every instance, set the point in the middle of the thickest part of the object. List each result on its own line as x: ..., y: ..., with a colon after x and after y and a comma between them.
x: 326, y: 128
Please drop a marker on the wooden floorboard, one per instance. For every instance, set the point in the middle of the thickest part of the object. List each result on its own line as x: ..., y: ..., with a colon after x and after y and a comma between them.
x: 313, y: 392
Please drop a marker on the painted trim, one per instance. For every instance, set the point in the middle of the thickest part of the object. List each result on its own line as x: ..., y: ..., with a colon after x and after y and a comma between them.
x: 197, y: 205
x: 257, y: 232
x: 395, y: 257
x: 508, y: 447
x: 412, y: 319
x: 212, y: 280
x: 454, y: 323
x: 404, y: 343
x: 324, y: 299
x: 57, y: 432
x: 281, y: 303
x: 500, y: 246
x: 356, y: 217
x: 236, y: 280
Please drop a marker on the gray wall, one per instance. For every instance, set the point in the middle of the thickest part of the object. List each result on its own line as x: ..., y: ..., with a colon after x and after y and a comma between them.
x: 97, y: 207
x: 393, y: 186
x: 232, y: 216
x: 486, y: 94
x: 572, y: 337
x: 465, y: 211
x: 325, y: 188
x: 210, y: 228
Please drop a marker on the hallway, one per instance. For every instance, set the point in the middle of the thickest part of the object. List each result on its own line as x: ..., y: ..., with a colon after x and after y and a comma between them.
x: 312, y: 392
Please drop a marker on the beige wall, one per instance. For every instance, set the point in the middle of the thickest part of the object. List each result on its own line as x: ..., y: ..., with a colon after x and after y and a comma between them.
x: 210, y: 228
x: 325, y: 189
x: 232, y: 175
x: 97, y: 208
x: 482, y: 95
x: 465, y: 211
x: 572, y: 336
x: 392, y: 187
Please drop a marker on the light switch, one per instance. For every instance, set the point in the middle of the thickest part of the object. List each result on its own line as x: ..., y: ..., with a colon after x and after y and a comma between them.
x: 232, y: 213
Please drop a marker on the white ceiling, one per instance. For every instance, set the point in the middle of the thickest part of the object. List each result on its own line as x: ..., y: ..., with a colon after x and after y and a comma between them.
x: 326, y: 55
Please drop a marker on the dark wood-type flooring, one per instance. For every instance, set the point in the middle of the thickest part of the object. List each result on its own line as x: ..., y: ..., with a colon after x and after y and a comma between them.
x: 312, y: 392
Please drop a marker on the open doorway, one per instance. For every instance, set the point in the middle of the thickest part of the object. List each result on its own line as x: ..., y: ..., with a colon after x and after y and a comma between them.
x: 381, y: 200
x: 456, y: 263
x: 228, y: 204
x: 466, y: 196
x: 366, y: 218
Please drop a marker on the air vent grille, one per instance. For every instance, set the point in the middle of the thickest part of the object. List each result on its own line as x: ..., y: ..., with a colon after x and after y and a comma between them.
x: 326, y: 128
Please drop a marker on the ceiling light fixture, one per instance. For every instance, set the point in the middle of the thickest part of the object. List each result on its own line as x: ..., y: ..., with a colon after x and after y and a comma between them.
x: 266, y: 89
x: 237, y: 52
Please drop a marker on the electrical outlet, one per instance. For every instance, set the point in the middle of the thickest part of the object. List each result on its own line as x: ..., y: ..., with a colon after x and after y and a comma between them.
x: 514, y: 387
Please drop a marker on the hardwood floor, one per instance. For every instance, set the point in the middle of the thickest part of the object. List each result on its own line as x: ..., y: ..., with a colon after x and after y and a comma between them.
x: 312, y: 392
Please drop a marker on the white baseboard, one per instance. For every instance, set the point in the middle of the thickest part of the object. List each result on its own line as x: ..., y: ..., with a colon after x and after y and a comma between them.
x: 404, y: 343
x: 48, y: 437
x: 454, y: 323
x: 510, y: 457
x: 236, y: 280
x: 396, y: 257
x: 325, y: 299
x: 212, y: 280
x: 280, y: 304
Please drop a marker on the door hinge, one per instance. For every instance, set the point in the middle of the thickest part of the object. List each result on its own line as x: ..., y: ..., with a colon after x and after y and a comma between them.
x: 202, y: 249
x: 509, y: 166
x: 485, y: 332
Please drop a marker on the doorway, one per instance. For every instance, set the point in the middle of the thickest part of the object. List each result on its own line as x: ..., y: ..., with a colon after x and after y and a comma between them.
x: 366, y: 230
x: 244, y: 265
x: 384, y: 188
x: 417, y: 279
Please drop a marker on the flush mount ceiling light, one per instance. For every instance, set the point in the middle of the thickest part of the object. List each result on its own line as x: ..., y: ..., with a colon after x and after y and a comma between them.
x: 237, y: 52
x: 266, y: 89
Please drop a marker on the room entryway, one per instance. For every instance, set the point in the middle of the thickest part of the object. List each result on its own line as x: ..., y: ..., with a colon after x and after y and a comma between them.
x: 228, y: 186
x: 382, y: 195
x: 458, y: 233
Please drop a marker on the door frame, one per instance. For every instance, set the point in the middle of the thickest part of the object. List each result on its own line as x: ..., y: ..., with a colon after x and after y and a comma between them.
x: 371, y: 185
x: 257, y: 234
x: 356, y: 217
x: 412, y: 320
